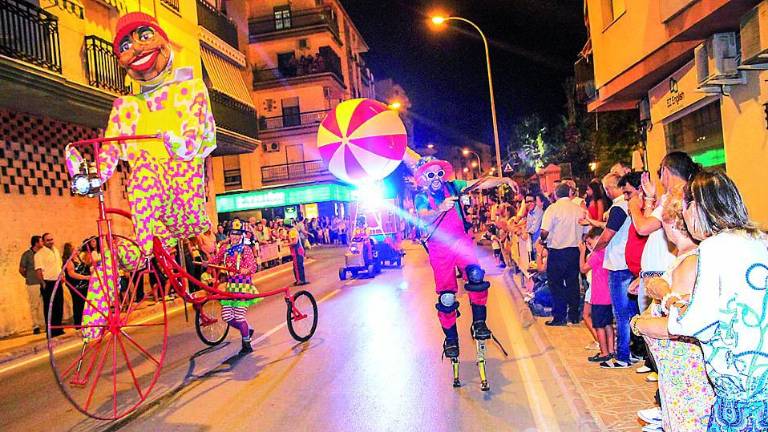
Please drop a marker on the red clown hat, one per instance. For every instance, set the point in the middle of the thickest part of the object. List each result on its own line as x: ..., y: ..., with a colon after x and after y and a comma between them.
x: 427, y: 162
x: 130, y: 22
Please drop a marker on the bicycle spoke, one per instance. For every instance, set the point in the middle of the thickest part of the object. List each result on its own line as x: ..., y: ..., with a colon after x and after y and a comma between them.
x: 144, y: 325
x: 90, y: 303
x: 80, y: 357
x: 130, y: 368
x: 98, y: 376
x: 142, y: 350
x: 114, y: 378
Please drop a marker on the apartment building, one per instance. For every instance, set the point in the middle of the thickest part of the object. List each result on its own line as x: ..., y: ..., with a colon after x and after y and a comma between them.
x: 306, y: 57
x: 58, y: 79
x: 694, y: 70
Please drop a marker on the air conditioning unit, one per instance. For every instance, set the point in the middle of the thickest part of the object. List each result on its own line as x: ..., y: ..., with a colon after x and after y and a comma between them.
x: 304, y: 44
x: 272, y: 147
x: 717, y: 61
x: 753, y: 33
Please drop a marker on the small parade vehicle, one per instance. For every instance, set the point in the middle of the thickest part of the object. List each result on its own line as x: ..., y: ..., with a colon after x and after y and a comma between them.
x: 361, y: 257
x: 389, y: 255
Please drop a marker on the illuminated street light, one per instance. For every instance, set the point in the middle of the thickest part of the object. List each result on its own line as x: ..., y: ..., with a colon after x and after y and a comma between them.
x: 440, y: 20
x: 593, y: 166
x: 430, y: 146
x: 466, y: 152
x: 396, y: 105
x: 466, y: 170
x: 474, y: 164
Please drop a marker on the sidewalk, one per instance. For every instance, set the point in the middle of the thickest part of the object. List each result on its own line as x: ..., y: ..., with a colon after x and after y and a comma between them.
x: 612, y: 396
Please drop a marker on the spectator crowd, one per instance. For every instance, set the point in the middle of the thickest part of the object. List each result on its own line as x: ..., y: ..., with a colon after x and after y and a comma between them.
x: 668, y: 276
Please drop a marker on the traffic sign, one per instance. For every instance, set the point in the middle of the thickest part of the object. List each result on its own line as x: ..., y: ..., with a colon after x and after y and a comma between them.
x: 508, y: 168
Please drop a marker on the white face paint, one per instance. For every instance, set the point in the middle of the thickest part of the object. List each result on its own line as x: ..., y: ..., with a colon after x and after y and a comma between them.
x: 433, y: 177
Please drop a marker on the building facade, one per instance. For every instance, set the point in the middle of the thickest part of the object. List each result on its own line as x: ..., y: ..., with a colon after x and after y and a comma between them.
x: 306, y: 57
x: 693, y: 70
x: 58, y: 79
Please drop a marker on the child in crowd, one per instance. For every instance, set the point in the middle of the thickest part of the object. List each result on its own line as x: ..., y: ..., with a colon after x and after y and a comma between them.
x: 496, y: 246
x: 600, y: 296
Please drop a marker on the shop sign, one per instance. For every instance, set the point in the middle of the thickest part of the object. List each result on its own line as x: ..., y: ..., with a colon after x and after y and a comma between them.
x: 283, y: 197
x: 675, y: 93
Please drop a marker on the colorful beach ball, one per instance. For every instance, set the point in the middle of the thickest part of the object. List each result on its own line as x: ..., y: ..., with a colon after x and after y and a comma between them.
x: 361, y: 141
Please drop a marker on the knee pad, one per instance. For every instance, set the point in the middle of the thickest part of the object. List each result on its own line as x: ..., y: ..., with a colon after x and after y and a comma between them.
x: 475, y: 279
x: 446, y: 302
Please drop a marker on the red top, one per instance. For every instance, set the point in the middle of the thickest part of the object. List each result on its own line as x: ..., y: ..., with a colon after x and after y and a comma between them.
x: 634, y: 250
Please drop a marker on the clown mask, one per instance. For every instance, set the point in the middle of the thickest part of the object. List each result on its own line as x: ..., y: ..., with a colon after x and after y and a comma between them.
x: 144, y: 52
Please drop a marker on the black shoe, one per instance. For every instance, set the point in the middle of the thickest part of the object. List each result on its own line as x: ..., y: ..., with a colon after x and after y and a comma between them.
x: 597, y: 358
x: 36, y: 330
x: 575, y: 322
x: 57, y: 333
x: 480, y: 331
x: 302, y: 283
x: 451, y: 348
x: 246, y: 347
x: 250, y: 333
x: 555, y: 323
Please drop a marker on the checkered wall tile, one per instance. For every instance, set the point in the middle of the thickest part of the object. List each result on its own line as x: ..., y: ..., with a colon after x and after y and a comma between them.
x: 32, y: 154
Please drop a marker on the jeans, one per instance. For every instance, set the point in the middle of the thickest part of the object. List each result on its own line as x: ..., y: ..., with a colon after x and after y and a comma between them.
x: 623, y: 310
x: 563, y: 281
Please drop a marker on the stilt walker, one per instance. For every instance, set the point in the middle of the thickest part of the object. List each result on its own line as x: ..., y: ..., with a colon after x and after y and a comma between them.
x: 450, y: 246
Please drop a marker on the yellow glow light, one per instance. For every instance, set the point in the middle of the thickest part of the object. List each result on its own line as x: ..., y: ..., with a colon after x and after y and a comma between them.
x: 474, y: 164
x: 437, y: 20
x: 395, y: 105
x: 465, y: 152
x: 466, y: 169
x: 430, y: 146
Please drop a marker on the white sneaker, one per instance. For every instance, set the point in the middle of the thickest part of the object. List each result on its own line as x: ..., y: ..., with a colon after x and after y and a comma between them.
x: 650, y: 415
x: 652, y: 428
x: 593, y: 346
x: 643, y: 369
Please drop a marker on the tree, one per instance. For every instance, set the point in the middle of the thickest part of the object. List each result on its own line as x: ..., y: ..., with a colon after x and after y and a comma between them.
x: 529, y: 140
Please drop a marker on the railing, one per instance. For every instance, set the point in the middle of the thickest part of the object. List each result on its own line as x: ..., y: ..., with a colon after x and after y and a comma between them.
x: 217, y: 22
x: 233, y: 115
x: 290, y: 120
x: 267, y: 24
x: 101, y: 66
x: 584, y: 73
x: 30, y: 34
x: 324, y: 61
x: 233, y: 179
x: 173, y: 4
x: 292, y: 171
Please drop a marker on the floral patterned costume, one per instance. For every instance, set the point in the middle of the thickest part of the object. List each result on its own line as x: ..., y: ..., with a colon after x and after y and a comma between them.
x: 166, y: 189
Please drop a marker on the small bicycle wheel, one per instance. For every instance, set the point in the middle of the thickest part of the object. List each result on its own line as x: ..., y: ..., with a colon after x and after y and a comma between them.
x: 211, y: 329
x: 107, y: 364
x: 302, y: 316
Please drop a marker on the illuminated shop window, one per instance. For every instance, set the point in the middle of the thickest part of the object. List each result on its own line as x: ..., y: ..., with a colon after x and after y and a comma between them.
x: 700, y: 134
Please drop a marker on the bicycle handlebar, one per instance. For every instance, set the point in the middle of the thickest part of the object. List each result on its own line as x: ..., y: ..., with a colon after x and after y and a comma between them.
x: 92, y: 141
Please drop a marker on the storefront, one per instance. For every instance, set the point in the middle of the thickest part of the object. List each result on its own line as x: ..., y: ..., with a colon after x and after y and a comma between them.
x: 726, y: 130
x: 316, y: 200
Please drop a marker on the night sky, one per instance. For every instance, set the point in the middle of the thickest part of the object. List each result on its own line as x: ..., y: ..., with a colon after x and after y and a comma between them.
x: 533, y: 46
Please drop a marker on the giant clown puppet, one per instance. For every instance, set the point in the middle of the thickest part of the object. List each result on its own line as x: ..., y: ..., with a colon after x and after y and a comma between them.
x: 166, y: 189
x: 450, y: 246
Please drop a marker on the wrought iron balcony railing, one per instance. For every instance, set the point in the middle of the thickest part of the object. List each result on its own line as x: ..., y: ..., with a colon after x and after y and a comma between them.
x: 217, y: 23
x: 291, y: 120
x: 233, y: 115
x: 30, y: 34
x: 301, y: 19
x: 292, y: 171
x: 102, y: 68
x: 324, y: 61
x: 173, y: 4
x: 584, y: 72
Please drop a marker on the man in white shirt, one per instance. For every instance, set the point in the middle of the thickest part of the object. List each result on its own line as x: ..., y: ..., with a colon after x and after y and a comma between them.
x: 614, y: 240
x: 48, y: 266
x: 561, y: 231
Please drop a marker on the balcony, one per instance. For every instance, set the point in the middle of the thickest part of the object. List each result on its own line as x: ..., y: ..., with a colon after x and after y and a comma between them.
x: 233, y: 115
x: 324, y: 62
x: 102, y: 68
x: 172, y: 4
x: 309, y: 118
x: 30, y: 34
x: 584, y: 72
x: 267, y: 27
x: 217, y: 23
x: 292, y: 171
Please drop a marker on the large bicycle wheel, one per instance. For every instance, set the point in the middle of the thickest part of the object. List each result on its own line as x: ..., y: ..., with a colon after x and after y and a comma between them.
x: 211, y: 329
x: 107, y: 364
x: 302, y: 316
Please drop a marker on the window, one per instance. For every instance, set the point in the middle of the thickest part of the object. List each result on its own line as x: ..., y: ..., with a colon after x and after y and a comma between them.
x: 232, y: 177
x: 282, y: 17
x: 303, y: 44
x: 700, y: 134
x: 291, y: 112
x: 612, y: 10
x: 319, y: 2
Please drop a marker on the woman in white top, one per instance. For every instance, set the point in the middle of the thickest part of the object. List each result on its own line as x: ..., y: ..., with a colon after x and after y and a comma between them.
x: 728, y: 308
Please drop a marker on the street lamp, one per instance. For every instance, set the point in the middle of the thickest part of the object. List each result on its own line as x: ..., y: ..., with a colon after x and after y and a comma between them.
x: 440, y: 20
x: 466, y: 152
x: 396, y: 105
x: 430, y: 146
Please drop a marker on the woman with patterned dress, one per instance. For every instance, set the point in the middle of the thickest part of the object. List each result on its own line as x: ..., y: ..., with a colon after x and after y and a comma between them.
x: 728, y: 308
x: 686, y: 395
x: 238, y: 258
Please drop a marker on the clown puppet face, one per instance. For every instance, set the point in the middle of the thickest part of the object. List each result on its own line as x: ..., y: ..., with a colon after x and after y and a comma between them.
x: 144, y: 52
x: 433, y: 178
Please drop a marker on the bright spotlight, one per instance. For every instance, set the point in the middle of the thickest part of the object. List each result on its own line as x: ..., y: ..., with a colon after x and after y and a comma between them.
x: 371, y: 196
x: 437, y: 20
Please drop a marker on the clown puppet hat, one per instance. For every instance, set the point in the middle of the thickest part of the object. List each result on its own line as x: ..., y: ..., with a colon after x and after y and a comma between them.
x: 130, y: 22
x: 427, y: 162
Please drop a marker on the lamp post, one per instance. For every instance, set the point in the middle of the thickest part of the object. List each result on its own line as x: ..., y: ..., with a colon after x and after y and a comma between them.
x: 466, y: 152
x: 439, y: 20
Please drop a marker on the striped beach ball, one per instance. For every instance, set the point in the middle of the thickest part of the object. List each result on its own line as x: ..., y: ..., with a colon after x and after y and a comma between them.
x: 361, y: 141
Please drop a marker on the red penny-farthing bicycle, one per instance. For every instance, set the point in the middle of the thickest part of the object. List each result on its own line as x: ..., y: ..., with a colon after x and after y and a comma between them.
x: 113, y: 362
